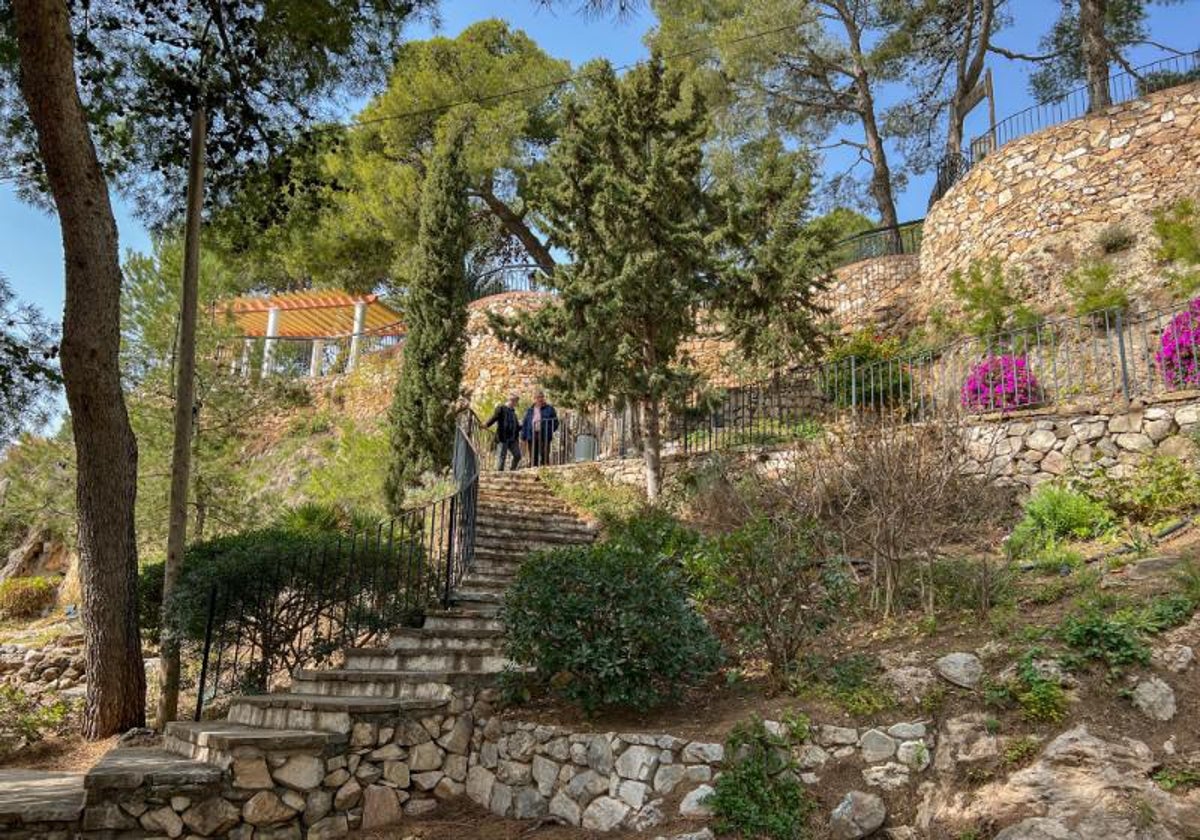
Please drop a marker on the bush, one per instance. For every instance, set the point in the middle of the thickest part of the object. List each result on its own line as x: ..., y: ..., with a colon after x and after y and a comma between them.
x: 758, y: 793
x: 25, y: 719
x: 1160, y: 486
x: 1115, y: 238
x: 1094, y: 290
x: 1054, y: 513
x: 26, y: 597
x: 878, y: 375
x: 991, y: 307
x: 587, y: 489
x: 1111, y: 640
x: 767, y: 580
x: 852, y: 682
x: 1001, y: 383
x: 607, y: 625
x: 1178, y: 353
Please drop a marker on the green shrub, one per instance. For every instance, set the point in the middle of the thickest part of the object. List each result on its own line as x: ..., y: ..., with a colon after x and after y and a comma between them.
x: 1021, y: 750
x: 1042, y: 701
x: 1094, y: 290
x: 26, y: 597
x: 853, y: 682
x: 1177, y: 778
x: 976, y: 584
x: 877, y: 376
x: 607, y: 625
x: 587, y: 489
x: 768, y: 581
x: 1053, y: 513
x: 1160, y: 486
x: 1115, y: 238
x: 1057, y: 559
x: 26, y: 719
x: 1096, y: 635
x: 989, y: 303
x: 1178, y: 230
x: 758, y: 793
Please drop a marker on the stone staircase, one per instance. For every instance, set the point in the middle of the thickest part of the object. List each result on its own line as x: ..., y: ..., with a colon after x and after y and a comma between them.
x: 337, y: 733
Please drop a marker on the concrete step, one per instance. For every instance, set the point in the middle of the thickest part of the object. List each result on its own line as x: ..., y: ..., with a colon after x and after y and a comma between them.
x: 401, y: 685
x: 463, y: 595
x: 217, y: 741
x: 462, y: 619
x: 489, y: 660
x: 421, y: 638
x: 484, y: 583
x: 543, y: 533
x: 497, y: 578
x: 500, y: 515
x: 324, y: 713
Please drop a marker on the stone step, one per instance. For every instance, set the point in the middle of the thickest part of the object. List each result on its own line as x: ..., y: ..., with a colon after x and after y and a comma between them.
x: 499, y: 514
x: 421, y: 638
x: 463, y: 596
x: 520, y: 533
x: 484, y: 583
x: 215, y: 742
x: 380, y: 684
x: 475, y: 661
x: 325, y: 713
x: 124, y: 768
x: 497, y: 578
x: 461, y: 619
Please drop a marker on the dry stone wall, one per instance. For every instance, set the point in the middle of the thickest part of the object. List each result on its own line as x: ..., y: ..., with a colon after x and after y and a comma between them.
x: 873, y: 293
x: 1039, y: 202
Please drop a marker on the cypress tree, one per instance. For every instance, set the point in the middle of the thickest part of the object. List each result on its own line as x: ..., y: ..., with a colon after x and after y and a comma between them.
x: 422, y: 412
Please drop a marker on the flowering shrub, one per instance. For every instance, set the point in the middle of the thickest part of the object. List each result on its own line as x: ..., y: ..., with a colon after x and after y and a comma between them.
x: 1001, y: 383
x: 1179, y: 349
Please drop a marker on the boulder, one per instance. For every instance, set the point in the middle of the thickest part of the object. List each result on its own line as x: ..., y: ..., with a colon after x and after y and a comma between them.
x: 890, y: 776
x: 604, y: 814
x: 164, y: 820
x: 566, y: 808
x: 211, y: 817
x: 695, y: 804
x: 909, y: 682
x: 962, y: 669
x: 300, y: 772
x: 600, y: 754
x: 638, y: 763
x: 1038, y: 828
x: 700, y: 753
x: 858, y: 815
x: 1155, y: 699
x: 381, y: 807
x: 265, y: 808
x: 329, y: 828
x: 876, y: 746
x: 528, y: 804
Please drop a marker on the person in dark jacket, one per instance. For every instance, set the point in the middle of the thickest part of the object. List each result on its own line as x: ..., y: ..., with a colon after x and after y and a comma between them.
x: 538, y: 428
x: 508, y: 430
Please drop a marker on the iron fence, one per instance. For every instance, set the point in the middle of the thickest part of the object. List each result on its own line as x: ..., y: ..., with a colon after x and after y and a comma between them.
x: 904, y: 238
x: 1122, y: 87
x: 343, y: 591
x: 520, y: 277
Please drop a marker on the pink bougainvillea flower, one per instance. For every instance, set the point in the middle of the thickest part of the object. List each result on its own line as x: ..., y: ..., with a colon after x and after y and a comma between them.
x: 1178, y: 356
x: 1001, y: 383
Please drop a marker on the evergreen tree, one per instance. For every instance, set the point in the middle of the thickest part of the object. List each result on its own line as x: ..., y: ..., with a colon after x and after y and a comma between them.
x: 626, y: 202
x: 422, y: 413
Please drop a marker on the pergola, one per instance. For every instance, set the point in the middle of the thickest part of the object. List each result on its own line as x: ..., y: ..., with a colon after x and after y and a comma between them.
x: 315, y: 316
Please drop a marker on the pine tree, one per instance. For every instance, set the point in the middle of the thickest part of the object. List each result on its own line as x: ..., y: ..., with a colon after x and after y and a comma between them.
x: 628, y: 205
x: 422, y: 413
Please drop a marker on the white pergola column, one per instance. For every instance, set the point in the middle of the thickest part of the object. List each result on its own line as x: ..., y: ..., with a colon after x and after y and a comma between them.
x: 269, y: 343
x: 247, y: 349
x: 360, y: 323
x: 318, y: 356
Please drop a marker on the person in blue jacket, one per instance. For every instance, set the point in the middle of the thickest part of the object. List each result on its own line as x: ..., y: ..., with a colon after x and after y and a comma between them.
x: 538, y: 428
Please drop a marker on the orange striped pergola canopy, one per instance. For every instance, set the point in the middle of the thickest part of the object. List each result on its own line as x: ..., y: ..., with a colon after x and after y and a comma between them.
x: 327, y: 314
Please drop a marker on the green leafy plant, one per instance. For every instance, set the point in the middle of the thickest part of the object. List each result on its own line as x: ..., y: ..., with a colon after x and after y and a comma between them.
x: 27, y: 597
x: 1095, y: 291
x: 1160, y: 486
x: 587, y: 489
x: 26, y: 719
x: 1042, y: 700
x: 1172, y: 778
x: 1115, y: 238
x: 607, y: 625
x: 1095, y: 635
x: 798, y: 725
x: 1021, y: 750
x: 853, y: 682
x: 988, y: 301
x: 1054, y: 512
x: 1178, y: 231
x: 758, y: 793
x: 866, y: 369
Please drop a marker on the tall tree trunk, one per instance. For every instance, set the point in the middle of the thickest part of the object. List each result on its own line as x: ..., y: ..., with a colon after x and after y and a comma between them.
x: 515, y: 225
x: 1094, y: 45
x: 105, y: 448
x: 185, y: 399
x: 652, y: 453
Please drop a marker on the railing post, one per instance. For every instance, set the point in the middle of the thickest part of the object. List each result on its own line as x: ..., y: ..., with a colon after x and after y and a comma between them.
x: 1122, y: 355
x: 450, y: 550
x: 208, y: 631
x: 853, y: 386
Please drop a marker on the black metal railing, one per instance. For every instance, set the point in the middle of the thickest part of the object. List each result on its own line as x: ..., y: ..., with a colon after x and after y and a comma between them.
x: 904, y: 238
x: 340, y: 591
x: 1122, y: 87
x: 519, y: 277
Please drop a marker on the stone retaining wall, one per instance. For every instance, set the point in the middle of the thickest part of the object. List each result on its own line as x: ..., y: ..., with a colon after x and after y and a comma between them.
x: 56, y: 666
x: 873, y: 293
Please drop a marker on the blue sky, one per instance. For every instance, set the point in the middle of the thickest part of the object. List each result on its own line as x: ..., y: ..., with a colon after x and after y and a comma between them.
x: 30, y: 248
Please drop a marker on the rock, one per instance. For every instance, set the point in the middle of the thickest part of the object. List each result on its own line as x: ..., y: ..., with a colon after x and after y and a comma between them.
x: 251, y: 774
x: 427, y: 781
x: 587, y: 785
x: 1037, y: 828
x: 265, y: 808
x: 211, y: 816
x: 364, y: 735
x: 633, y: 793
x: 317, y: 806
x: 545, y: 773
x: 811, y: 757
x: 455, y: 767
x: 458, y: 739
x: 907, y: 731
x: 1177, y: 446
x: 1158, y: 430
x: 479, y: 785
x: 1155, y: 699
x: 962, y: 669
x: 300, y: 772
x: 425, y: 756
x: 698, y: 753
x: 329, y: 828
x: 381, y: 807
x: 604, y: 814
x: 964, y: 740
x: 521, y: 746
x: 829, y: 736
x: 599, y: 754
x: 914, y: 754
x: 347, y: 796
x: 648, y: 817
x: 1134, y: 442
x: 858, y: 815
x: 164, y: 820
x: 179, y: 804
x: 637, y: 763
x: 416, y: 807
x: 668, y: 778
x: 890, y: 776
x: 876, y: 746
x: 409, y: 733
x: 1174, y: 657
x: 528, y: 804
x: 502, y: 796
x: 1042, y: 440
x: 695, y: 803
x: 388, y: 752
x: 566, y: 809
x: 397, y: 772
